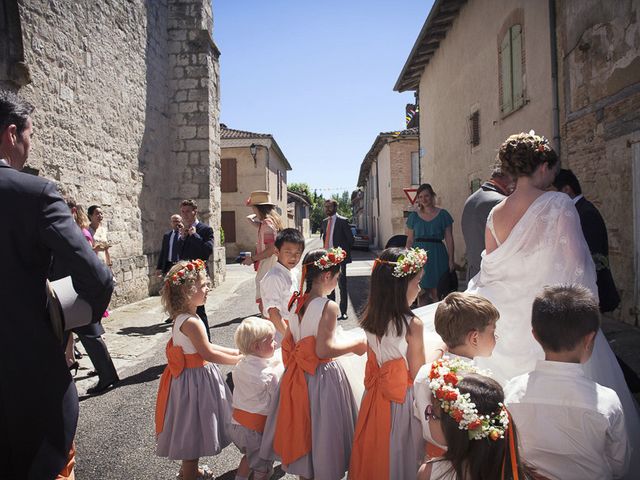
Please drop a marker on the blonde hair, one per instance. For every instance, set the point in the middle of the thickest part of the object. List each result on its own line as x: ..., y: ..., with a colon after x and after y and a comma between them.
x: 460, y: 313
x: 175, y: 298
x: 250, y: 331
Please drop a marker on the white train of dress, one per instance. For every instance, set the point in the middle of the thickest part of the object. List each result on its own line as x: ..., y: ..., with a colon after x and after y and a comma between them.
x: 545, y: 247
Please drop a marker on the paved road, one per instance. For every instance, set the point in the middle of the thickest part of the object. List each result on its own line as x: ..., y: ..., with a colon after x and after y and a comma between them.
x: 115, y: 439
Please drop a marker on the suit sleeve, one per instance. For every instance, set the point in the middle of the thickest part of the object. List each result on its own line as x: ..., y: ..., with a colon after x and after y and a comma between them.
x: 204, y: 242
x: 163, y: 253
x: 92, y: 280
x: 348, y: 234
x: 595, y: 231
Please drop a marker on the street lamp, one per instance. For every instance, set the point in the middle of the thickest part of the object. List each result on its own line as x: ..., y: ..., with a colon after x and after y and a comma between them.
x: 253, y: 148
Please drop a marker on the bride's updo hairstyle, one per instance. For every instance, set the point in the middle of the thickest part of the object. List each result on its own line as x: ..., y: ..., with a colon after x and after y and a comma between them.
x: 520, y: 155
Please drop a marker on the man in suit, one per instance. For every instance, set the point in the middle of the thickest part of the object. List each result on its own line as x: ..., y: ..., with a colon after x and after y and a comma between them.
x: 595, y: 233
x: 336, y: 232
x: 38, y: 399
x: 169, y: 251
x: 475, y: 212
x: 196, y: 241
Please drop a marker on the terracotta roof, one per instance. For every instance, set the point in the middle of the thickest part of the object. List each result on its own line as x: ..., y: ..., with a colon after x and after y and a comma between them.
x: 229, y: 133
x: 435, y: 28
x: 381, y: 140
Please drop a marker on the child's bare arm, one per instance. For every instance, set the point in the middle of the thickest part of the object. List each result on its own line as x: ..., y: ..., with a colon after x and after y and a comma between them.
x: 194, y: 329
x: 277, y: 320
x: 415, y: 349
x: 326, y: 345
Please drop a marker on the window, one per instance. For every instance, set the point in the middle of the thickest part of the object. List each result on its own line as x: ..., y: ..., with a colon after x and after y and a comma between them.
x: 511, y: 59
x: 229, y: 175
x: 474, y: 127
x: 229, y: 226
x: 415, y: 168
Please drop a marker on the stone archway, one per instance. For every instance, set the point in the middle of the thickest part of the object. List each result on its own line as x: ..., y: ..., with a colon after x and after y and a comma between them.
x: 14, y: 72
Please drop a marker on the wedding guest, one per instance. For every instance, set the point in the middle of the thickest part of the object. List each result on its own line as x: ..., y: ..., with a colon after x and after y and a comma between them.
x: 475, y: 212
x: 583, y: 434
x: 266, y: 219
x: 195, y: 241
x: 336, y: 232
x: 100, y: 243
x: 427, y: 227
x: 39, y: 410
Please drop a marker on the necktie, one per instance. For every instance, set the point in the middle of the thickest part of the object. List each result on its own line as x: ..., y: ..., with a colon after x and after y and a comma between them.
x: 174, y: 247
x: 327, y: 234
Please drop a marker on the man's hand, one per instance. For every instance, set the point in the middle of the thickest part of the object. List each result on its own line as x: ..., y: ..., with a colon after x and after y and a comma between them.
x: 159, y: 273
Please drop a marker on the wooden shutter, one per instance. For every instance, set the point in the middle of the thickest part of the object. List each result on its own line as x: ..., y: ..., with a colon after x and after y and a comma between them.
x: 516, y: 66
x: 475, y: 128
x: 505, y: 73
x: 229, y: 174
x: 229, y: 226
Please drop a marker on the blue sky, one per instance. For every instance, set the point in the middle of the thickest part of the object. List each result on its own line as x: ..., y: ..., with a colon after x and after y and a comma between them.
x: 318, y: 75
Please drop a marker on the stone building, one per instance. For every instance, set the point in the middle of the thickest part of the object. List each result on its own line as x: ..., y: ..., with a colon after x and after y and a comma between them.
x: 126, y: 97
x: 250, y: 161
x: 568, y: 69
x: 390, y: 166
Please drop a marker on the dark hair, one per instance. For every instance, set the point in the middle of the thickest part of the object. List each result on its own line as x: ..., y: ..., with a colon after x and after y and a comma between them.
x: 460, y: 313
x: 497, y: 172
x: 314, y: 272
x: 13, y: 111
x: 92, y: 209
x: 387, y: 302
x: 520, y: 155
x: 567, y: 177
x: 289, y: 235
x: 332, y: 201
x: 427, y: 187
x: 480, y: 459
x: 562, y: 315
x: 189, y: 203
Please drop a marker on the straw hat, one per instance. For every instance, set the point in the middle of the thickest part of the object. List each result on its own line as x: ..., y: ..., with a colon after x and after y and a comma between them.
x: 260, y: 197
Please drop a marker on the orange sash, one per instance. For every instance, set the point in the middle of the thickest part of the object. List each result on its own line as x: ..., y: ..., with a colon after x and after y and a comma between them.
x: 252, y: 421
x: 385, y: 384
x: 177, y: 361
x: 292, y: 439
x: 433, y: 451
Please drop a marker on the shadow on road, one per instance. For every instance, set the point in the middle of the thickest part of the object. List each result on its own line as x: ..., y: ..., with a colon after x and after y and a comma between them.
x: 358, y: 291
x: 231, y: 474
x: 148, y: 375
x: 234, y: 320
x: 148, y: 331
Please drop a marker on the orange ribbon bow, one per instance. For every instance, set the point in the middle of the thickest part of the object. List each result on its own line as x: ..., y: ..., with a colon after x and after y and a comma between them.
x: 177, y: 361
x: 385, y: 384
x: 292, y: 439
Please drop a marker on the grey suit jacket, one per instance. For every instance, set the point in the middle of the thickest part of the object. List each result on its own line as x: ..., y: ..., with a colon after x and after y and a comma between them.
x: 38, y: 399
x: 474, y: 221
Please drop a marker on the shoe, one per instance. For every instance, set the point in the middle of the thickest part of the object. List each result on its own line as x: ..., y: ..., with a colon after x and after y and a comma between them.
x: 74, y: 366
x: 102, y: 387
x: 76, y: 352
x: 344, y: 316
x: 91, y: 373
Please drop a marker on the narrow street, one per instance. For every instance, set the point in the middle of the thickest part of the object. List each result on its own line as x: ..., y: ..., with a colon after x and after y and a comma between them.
x: 115, y: 437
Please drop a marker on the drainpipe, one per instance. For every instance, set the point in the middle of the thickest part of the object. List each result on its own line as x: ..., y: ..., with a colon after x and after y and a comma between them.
x: 554, y: 75
x: 417, y: 97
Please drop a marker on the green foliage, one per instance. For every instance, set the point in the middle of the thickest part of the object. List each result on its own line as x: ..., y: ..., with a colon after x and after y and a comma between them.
x: 344, y: 204
x: 302, y: 188
x: 221, y: 236
x: 317, y: 203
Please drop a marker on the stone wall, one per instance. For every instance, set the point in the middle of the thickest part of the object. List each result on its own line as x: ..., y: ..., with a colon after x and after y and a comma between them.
x: 105, y: 87
x: 599, y: 62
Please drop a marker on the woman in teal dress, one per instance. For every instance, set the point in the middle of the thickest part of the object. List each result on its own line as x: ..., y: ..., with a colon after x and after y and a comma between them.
x: 427, y: 227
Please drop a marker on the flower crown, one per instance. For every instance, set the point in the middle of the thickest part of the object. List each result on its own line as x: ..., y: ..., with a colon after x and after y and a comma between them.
x: 407, y: 263
x: 443, y: 378
x: 333, y: 257
x: 188, y: 272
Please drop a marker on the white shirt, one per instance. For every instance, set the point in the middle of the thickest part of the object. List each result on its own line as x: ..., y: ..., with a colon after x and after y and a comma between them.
x: 332, y: 222
x: 255, y: 382
x: 577, y: 198
x: 569, y: 426
x: 276, y: 289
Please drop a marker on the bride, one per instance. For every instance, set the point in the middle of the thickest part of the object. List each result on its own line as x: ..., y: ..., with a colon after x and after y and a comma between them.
x: 533, y: 238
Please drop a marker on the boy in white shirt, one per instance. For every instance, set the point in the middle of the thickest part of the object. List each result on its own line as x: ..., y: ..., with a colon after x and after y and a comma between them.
x: 467, y: 324
x: 280, y: 282
x: 569, y: 426
x: 256, y: 379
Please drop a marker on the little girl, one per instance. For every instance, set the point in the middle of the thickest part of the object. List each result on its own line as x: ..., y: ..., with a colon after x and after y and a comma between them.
x: 311, y: 427
x: 193, y: 410
x: 255, y: 380
x: 388, y: 440
x: 468, y: 416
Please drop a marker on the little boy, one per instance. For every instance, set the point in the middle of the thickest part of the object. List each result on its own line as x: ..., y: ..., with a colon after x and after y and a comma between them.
x: 466, y: 323
x: 569, y: 426
x: 280, y: 282
x: 256, y: 379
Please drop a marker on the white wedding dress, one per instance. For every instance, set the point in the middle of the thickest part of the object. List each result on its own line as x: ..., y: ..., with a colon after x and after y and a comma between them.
x: 545, y: 247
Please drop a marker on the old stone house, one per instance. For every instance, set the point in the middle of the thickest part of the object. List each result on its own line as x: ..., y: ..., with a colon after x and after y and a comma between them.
x: 298, y: 212
x: 390, y: 166
x: 250, y: 161
x: 484, y: 69
x: 126, y: 97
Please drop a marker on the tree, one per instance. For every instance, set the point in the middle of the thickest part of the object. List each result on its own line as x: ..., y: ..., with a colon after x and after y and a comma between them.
x: 317, y: 203
x: 344, y: 204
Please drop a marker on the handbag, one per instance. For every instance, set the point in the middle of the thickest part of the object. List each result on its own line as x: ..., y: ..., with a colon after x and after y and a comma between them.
x: 448, y: 283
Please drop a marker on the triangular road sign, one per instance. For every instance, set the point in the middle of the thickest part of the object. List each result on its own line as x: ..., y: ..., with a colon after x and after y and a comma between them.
x: 411, y: 194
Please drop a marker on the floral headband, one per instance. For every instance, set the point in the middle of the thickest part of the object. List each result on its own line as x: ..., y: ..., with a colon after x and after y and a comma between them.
x: 333, y: 257
x: 443, y: 378
x: 407, y: 263
x: 188, y: 272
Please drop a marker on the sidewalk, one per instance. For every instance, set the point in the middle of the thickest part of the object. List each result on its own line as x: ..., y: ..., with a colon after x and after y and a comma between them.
x: 134, y: 331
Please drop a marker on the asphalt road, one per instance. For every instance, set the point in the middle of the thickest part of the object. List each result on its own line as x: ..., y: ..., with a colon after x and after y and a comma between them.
x: 115, y: 438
